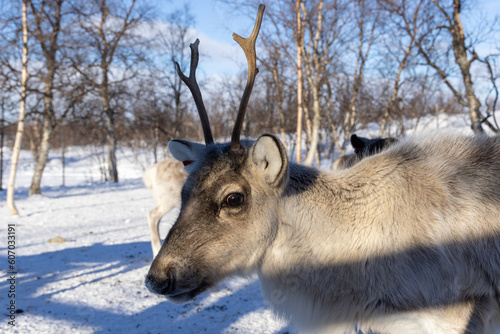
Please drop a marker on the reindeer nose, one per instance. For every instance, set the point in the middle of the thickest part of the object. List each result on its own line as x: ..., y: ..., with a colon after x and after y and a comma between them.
x: 159, y: 282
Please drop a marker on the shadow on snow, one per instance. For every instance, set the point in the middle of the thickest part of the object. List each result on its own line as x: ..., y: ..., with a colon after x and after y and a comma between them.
x: 43, y: 281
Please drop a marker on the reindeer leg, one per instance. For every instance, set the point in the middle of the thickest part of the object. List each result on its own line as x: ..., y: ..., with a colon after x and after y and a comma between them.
x: 154, y: 218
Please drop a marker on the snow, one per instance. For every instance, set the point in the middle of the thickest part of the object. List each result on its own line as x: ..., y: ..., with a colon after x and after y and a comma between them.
x: 93, y: 281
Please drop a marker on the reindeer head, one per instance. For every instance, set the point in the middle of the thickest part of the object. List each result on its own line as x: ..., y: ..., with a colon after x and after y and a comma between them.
x: 228, y: 210
x: 365, y: 147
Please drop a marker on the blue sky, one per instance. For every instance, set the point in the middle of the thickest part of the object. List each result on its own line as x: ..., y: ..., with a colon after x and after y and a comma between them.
x: 220, y: 54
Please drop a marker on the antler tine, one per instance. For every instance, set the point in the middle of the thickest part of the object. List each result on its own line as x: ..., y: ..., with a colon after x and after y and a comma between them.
x: 195, y: 90
x: 248, y: 46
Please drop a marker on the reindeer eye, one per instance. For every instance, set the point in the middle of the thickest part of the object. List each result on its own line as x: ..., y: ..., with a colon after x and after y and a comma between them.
x: 234, y: 199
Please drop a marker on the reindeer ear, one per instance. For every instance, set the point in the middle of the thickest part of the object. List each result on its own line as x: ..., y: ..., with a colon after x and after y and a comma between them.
x: 358, y: 143
x: 268, y: 156
x: 186, y: 152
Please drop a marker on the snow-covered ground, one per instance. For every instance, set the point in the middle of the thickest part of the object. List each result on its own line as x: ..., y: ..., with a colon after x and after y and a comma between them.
x: 92, y: 280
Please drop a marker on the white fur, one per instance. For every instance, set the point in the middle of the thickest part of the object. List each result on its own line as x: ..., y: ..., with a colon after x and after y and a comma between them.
x: 405, y: 241
x: 165, y: 179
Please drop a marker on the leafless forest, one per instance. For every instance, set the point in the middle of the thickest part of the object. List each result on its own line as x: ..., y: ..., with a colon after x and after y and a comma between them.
x: 100, y: 73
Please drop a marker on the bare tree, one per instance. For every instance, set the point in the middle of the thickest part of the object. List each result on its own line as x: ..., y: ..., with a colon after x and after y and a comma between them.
x: 493, y: 74
x: 8, y: 102
x: 398, y: 48
x: 299, y: 41
x: 276, y: 86
x: 366, y: 24
x: 150, y: 117
x: 391, y: 105
x: 315, y: 61
x: 2, y: 137
x: 22, y: 109
x: 437, y: 30
x: 47, y: 22
x: 112, y: 49
x: 312, y: 41
x: 175, y: 41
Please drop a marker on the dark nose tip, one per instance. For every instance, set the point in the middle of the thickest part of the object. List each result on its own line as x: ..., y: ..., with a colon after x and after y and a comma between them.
x: 159, y: 283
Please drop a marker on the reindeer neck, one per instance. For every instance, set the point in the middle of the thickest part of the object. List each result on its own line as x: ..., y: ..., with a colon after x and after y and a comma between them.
x: 325, y: 197
x: 317, y: 205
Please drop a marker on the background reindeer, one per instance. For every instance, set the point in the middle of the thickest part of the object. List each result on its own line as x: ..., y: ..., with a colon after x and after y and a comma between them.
x: 405, y: 241
x: 363, y: 147
x: 165, y: 179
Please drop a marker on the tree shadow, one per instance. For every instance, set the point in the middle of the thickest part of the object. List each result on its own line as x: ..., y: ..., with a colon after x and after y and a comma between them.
x: 50, y: 283
x: 43, y: 278
x: 22, y: 193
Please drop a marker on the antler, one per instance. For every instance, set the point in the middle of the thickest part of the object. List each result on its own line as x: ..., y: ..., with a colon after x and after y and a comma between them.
x: 195, y: 90
x: 248, y: 46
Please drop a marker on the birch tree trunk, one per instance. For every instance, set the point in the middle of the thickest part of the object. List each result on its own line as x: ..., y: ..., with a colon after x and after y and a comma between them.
x: 110, y: 129
x: 47, y: 131
x: 106, y: 37
x: 315, y: 64
x: 447, y: 20
x: 300, y: 110
x: 314, y: 132
x: 22, y: 108
x: 49, y: 45
x: 279, y: 87
x: 460, y: 51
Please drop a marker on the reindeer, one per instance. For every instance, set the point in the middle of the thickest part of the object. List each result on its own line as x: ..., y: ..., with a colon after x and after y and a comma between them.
x: 165, y: 179
x: 405, y: 241
x: 363, y: 147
